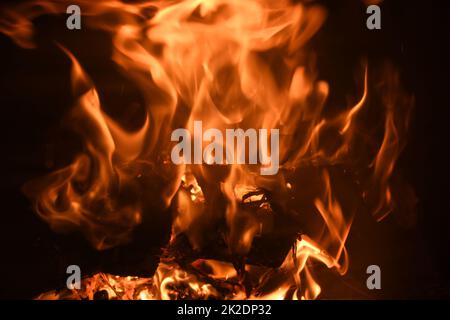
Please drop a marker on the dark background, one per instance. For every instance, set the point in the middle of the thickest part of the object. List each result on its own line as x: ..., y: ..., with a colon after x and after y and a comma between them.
x: 35, y: 96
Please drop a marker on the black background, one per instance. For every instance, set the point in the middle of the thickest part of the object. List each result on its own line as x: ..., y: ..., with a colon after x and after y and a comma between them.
x: 35, y: 95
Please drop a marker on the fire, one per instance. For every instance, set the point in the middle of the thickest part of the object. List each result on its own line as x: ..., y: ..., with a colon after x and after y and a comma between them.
x: 230, y: 64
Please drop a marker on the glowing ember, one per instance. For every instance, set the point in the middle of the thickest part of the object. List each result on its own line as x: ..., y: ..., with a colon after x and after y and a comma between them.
x: 206, y: 279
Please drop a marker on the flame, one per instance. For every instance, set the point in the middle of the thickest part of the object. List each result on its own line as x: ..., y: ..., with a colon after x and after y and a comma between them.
x: 230, y: 64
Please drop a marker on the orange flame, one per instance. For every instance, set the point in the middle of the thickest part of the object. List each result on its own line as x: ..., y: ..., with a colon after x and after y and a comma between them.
x: 230, y: 64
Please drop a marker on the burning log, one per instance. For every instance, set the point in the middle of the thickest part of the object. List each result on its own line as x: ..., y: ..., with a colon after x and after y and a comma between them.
x: 277, y: 230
